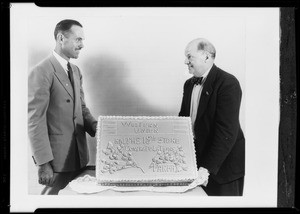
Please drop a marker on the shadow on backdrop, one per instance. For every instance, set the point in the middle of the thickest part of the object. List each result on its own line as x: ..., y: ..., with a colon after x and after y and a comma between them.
x: 106, y: 84
x: 110, y: 93
x: 35, y: 56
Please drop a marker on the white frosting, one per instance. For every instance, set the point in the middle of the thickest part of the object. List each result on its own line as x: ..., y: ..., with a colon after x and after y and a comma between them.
x: 145, y: 150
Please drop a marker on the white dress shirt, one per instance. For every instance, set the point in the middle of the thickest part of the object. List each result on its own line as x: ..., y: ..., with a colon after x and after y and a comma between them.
x: 62, y: 62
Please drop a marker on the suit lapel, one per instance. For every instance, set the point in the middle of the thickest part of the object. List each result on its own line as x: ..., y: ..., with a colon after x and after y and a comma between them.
x: 62, y: 76
x: 206, y: 91
x: 189, y: 97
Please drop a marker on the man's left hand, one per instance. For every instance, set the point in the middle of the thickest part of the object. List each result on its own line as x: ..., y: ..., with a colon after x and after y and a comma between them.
x: 203, y: 175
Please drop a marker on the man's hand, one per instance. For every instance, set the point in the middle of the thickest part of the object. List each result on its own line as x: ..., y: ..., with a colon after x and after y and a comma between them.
x: 202, y: 178
x: 45, y: 173
x: 94, y: 128
x: 203, y: 174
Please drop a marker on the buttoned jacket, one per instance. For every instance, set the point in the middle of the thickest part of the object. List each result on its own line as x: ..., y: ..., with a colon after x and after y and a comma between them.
x: 218, y: 137
x: 58, y: 117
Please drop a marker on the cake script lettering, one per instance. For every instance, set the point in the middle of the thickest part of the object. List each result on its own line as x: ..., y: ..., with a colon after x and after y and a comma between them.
x: 146, y: 140
x: 146, y: 148
x: 164, y: 168
x: 142, y: 127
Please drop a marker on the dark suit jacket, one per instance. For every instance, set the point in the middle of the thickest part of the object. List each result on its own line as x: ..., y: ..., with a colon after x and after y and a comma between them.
x: 58, y: 117
x: 219, y: 140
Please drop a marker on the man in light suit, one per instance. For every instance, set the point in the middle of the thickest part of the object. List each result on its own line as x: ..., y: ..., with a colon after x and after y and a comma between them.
x: 57, y: 114
x: 212, y: 99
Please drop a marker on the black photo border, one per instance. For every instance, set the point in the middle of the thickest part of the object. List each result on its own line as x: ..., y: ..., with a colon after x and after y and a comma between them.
x: 288, y: 193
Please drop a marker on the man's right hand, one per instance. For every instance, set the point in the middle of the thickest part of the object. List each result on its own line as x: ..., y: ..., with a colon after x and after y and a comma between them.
x: 45, y: 173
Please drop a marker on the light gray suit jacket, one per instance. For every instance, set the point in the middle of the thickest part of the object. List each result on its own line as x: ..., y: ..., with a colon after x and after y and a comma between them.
x: 58, y: 117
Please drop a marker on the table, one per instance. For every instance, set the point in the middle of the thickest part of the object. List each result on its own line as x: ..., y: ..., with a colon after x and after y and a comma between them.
x: 198, y: 191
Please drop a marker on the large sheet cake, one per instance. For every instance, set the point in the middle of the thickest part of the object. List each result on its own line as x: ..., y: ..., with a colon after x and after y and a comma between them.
x: 145, y: 151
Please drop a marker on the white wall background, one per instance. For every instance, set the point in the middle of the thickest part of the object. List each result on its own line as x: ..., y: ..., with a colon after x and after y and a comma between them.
x: 133, y: 64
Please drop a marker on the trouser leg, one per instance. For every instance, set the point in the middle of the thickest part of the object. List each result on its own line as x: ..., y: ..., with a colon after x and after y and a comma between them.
x: 234, y: 188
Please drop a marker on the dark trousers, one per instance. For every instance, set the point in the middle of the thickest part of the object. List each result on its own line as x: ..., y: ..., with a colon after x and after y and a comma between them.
x: 62, y: 179
x: 234, y: 188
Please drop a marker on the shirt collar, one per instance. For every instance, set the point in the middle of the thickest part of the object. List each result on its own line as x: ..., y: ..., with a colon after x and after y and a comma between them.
x: 62, y: 61
x: 204, y: 77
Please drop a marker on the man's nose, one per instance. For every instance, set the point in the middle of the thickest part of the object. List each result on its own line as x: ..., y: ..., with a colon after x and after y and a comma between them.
x: 81, y: 45
x: 186, y: 61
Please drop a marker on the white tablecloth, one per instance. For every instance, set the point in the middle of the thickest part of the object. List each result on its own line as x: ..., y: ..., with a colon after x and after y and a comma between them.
x: 85, y: 184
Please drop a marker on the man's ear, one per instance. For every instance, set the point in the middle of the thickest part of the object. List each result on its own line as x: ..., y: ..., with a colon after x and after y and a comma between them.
x: 205, y: 55
x: 206, y: 58
x: 60, y: 37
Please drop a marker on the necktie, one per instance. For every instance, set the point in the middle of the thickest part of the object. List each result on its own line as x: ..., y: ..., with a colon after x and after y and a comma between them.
x: 197, y: 80
x: 70, y: 74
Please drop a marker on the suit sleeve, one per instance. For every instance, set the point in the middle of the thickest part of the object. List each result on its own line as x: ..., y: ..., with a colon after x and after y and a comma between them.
x: 90, y: 123
x: 39, y: 84
x: 226, y: 126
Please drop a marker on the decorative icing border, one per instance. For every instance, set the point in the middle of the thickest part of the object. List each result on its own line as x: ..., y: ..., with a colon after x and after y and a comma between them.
x: 143, y: 183
x: 132, y: 181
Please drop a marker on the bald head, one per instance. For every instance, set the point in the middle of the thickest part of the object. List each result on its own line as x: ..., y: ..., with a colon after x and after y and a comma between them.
x: 200, y: 55
x: 203, y: 44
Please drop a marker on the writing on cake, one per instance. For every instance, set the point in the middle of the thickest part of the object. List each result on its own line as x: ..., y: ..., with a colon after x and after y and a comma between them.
x: 145, y: 151
x: 142, y: 127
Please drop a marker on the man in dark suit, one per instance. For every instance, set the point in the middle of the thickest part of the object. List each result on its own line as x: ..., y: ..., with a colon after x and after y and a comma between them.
x: 212, y: 99
x: 57, y: 114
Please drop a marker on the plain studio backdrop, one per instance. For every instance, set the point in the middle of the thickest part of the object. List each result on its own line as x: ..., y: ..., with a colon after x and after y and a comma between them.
x: 133, y: 64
